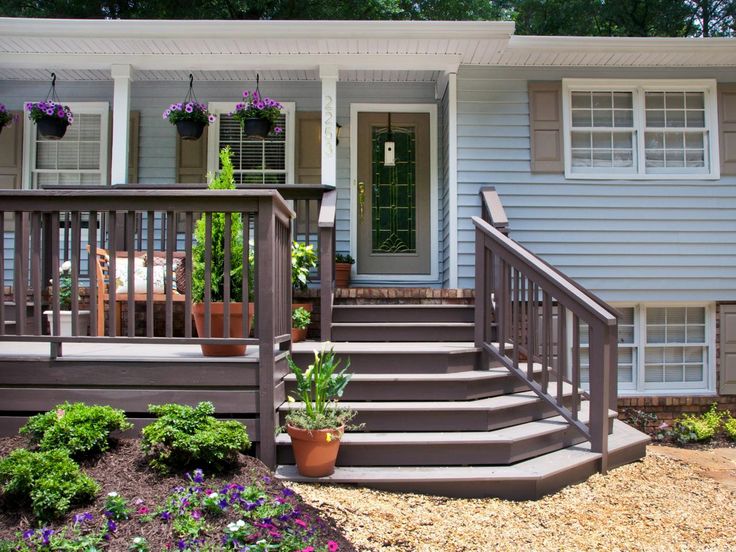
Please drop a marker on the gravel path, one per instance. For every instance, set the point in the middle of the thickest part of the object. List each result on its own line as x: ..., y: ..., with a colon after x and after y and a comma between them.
x: 659, y: 504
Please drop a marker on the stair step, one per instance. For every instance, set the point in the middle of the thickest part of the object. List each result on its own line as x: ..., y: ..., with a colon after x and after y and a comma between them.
x: 388, y: 358
x: 474, y: 415
x: 403, y: 331
x: 499, y: 447
x: 526, y: 480
x: 403, y: 313
x: 455, y: 386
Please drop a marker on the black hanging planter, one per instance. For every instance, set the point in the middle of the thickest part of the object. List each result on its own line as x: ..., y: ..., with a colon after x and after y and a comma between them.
x: 190, y: 130
x: 257, y: 127
x: 52, y: 127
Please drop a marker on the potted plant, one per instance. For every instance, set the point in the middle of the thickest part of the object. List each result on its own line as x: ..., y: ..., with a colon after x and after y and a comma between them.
x: 51, y: 118
x: 343, y: 267
x: 317, y: 425
x: 257, y: 114
x: 6, y: 119
x: 224, y: 180
x: 300, y: 319
x: 189, y: 116
x: 303, y: 259
x: 65, y: 306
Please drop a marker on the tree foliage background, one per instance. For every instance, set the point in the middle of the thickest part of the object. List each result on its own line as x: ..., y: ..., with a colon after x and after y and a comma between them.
x: 537, y: 17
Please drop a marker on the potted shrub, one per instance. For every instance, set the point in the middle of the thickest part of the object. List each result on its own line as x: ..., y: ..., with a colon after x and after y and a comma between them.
x: 51, y: 118
x: 6, y: 119
x: 303, y: 259
x: 224, y: 180
x: 257, y: 114
x: 343, y: 267
x: 189, y: 116
x: 317, y: 427
x: 65, y: 306
x: 300, y: 319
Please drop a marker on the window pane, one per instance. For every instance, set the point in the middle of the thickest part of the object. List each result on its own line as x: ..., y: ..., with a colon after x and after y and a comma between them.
x: 694, y: 372
x: 602, y: 100
x: 581, y: 158
x: 696, y: 119
x: 655, y: 118
x: 602, y: 158
x: 623, y: 118
x: 654, y: 100
x: 653, y: 374
x: 602, y: 118
x: 581, y: 100
x: 675, y: 118
x: 582, y: 118
x: 673, y: 373
x: 674, y: 100
x: 581, y: 139
x: 623, y: 100
x: 602, y: 140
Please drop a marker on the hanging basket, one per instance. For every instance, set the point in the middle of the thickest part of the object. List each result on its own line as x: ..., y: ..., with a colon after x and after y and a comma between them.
x: 52, y: 128
x: 190, y: 130
x: 258, y: 128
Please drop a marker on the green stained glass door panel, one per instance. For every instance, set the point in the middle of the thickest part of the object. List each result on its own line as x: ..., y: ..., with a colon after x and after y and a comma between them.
x: 393, y: 226
x: 393, y: 201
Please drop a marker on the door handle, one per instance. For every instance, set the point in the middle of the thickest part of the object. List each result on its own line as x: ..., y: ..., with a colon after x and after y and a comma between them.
x: 361, y: 198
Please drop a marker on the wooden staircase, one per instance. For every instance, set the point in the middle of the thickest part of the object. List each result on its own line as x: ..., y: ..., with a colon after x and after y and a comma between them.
x: 437, y: 420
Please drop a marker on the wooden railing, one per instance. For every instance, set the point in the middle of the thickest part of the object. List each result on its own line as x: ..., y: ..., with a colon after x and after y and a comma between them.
x: 99, y: 229
x: 532, y: 319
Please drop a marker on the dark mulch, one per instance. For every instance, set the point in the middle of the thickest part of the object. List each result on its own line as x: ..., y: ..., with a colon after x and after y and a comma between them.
x: 125, y: 471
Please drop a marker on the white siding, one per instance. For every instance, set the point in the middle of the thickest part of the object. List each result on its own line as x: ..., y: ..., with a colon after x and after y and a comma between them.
x: 625, y: 240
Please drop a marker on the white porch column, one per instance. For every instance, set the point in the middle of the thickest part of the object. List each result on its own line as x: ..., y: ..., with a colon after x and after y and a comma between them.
x: 121, y: 76
x: 328, y: 74
x: 452, y: 177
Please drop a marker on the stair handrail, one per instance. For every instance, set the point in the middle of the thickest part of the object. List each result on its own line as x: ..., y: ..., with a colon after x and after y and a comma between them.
x: 510, y: 280
x: 326, y: 225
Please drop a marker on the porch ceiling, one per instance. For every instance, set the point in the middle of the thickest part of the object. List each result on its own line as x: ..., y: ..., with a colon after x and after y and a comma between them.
x: 27, y: 74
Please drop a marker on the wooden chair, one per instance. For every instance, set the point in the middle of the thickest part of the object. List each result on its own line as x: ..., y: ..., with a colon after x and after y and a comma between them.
x: 103, y: 287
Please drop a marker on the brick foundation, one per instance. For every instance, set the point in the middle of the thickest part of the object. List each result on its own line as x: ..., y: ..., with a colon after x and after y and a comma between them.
x: 403, y: 295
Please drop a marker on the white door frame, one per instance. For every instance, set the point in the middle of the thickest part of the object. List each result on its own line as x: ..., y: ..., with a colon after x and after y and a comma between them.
x: 433, y: 197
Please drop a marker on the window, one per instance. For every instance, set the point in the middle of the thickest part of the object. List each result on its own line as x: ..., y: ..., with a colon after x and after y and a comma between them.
x: 648, y: 129
x: 662, y: 349
x: 255, y: 161
x: 80, y: 157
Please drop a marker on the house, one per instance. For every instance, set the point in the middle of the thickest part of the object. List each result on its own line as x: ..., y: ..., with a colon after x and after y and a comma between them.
x: 612, y: 163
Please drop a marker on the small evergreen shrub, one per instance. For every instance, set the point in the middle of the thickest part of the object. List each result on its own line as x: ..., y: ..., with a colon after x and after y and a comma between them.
x: 49, y: 480
x: 183, y: 436
x: 729, y: 426
x: 79, y: 428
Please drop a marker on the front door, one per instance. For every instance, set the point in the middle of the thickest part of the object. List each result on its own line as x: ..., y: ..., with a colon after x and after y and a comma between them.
x: 393, y: 200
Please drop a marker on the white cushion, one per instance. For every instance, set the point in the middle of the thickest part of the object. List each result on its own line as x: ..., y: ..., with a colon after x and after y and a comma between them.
x: 140, y: 277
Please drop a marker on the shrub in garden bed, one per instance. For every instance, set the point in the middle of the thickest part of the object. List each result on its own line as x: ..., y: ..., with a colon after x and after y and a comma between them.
x: 50, y: 481
x: 79, y: 428
x: 183, y: 436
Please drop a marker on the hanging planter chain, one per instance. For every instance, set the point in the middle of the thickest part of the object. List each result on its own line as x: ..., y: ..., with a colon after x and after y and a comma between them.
x: 52, y: 91
x: 191, y: 96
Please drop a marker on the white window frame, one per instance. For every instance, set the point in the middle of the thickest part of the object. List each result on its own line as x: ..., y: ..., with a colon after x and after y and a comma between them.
x: 638, y: 88
x: 93, y: 108
x: 213, y: 140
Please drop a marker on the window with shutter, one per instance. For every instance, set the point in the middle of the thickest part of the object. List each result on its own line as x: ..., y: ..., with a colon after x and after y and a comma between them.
x: 256, y: 162
x: 79, y: 158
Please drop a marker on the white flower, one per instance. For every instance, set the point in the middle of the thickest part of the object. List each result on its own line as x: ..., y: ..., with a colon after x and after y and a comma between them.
x: 138, y: 540
x: 232, y: 527
x: 65, y: 266
x: 212, y: 495
x: 240, y: 523
x: 112, y: 494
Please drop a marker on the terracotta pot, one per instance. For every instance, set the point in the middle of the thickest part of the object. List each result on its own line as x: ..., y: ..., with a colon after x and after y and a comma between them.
x: 342, y: 274
x: 190, y: 130
x: 298, y: 335
x: 257, y: 128
x: 52, y: 128
x: 315, y: 456
x: 217, y: 327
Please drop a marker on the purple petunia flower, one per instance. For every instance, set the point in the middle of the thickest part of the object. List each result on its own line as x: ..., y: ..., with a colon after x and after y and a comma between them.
x: 50, y: 111
x: 46, y: 535
x: 278, y: 130
x: 165, y: 515
x: 211, y: 118
x: 189, y: 108
x: 179, y: 106
x: 260, y: 105
x: 239, y: 106
x: 286, y: 491
x: 198, y: 476
x: 245, y: 93
x: 181, y: 544
x: 81, y: 518
x: 61, y: 113
x: 2, y: 108
x: 196, y: 514
x: 29, y: 533
x: 112, y: 526
x: 28, y: 106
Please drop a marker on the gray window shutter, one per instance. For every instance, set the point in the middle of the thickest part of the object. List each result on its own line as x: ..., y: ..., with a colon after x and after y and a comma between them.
x: 191, y: 160
x: 727, y: 127
x: 728, y: 350
x: 545, y: 121
x: 11, y: 154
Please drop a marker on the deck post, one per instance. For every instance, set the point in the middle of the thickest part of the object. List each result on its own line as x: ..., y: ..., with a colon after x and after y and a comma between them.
x: 328, y: 74
x: 121, y: 75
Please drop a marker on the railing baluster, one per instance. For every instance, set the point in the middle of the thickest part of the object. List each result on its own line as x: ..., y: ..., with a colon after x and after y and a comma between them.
x: 150, y: 224
x: 207, y: 274
x: 168, y: 280
x: 2, y: 274
x: 531, y: 330
x: 546, y: 340
x: 575, y: 404
x: 92, y: 271
x: 227, y: 231
x: 501, y: 298
x: 246, y: 273
x: 188, y: 237
x: 55, y: 284
x: 517, y: 317
x: 20, y: 273
x: 36, y: 282
x: 75, y: 251
x: 561, y: 350
x: 112, y: 220
x: 130, y: 248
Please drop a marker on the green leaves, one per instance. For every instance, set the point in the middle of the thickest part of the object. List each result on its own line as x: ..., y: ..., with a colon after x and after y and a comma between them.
x: 303, y: 259
x: 300, y: 318
x: 319, y: 387
x: 51, y: 481
x: 183, y: 436
x: 79, y: 428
